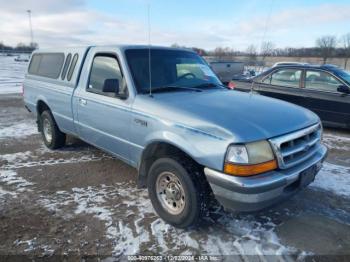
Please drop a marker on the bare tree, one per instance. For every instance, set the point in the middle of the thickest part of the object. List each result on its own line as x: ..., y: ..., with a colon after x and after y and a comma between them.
x: 229, y: 51
x: 219, y: 52
x: 252, y: 54
x: 251, y: 50
x: 266, y: 49
x: 326, y: 44
x: 223, y: 52
x: 346, y: 46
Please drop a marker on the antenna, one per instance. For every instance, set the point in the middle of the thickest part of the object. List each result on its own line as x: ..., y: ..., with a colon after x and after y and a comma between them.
x: 252, y: 87
x: 267, y: 21
x: 149, y: 48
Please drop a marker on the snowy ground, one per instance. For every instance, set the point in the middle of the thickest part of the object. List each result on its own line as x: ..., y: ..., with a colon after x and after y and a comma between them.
x: 11, y: 75
x: 79, y: 200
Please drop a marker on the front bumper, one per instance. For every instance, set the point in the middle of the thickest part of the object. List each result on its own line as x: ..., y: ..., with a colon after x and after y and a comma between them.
x: 260, y: 191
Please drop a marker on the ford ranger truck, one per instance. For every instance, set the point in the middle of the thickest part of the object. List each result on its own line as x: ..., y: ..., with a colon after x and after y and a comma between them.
x: 164, y: 112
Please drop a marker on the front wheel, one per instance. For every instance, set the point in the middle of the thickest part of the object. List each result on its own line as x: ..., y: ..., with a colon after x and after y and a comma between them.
x: 52, y: 136
x: 175, y: 196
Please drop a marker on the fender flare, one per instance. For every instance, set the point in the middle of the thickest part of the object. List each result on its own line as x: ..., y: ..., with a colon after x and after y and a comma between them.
x: 163, y: 138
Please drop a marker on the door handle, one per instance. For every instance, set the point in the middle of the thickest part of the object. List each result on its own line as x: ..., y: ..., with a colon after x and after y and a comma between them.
x: 83, y: 102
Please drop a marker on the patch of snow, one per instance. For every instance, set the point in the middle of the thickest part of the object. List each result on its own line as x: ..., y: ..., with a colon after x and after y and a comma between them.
x: 30, y: 243
x: 57, y: 161
x: 336, y: 137
x: 334, y: 178
x: 126, y: 241
x: 54, y: 203
x: 248, y: 237
x: 33, y: 246
x: 16, y: 157
x: 141, y: 230
x: 4, y: 192
x: 92, y: 201
x: 87, y: 204
x: 9, y: 177
x: 132, y: 225
x: 159, y: 228
x: 47, y: 250
x: 18, y: 130
x: 338, y: 142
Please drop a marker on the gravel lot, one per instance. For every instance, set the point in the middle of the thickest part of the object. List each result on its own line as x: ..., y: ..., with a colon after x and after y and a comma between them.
x: 81, y: 201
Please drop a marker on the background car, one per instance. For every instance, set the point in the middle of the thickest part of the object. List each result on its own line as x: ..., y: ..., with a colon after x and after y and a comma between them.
x: 227, y: 70
x: 322, y: 89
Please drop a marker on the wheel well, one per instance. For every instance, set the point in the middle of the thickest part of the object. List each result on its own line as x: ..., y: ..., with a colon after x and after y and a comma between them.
x: 153, y: 152
x: 41, y: 107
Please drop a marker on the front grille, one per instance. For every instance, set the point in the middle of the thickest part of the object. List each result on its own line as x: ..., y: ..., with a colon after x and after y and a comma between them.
x: 296, y: 147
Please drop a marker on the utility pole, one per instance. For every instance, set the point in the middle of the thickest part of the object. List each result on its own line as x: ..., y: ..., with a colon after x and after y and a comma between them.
x: 30, y: 26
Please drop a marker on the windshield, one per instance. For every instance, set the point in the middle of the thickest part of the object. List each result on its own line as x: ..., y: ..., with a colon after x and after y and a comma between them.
x: 170, y: 69
x: 345, y: 75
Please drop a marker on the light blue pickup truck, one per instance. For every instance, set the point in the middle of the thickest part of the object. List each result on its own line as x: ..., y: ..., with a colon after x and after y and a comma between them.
x: 164, y: 112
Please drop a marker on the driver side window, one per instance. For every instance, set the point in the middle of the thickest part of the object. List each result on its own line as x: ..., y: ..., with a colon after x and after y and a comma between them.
x: 104, y: 68
x: 321, y: 81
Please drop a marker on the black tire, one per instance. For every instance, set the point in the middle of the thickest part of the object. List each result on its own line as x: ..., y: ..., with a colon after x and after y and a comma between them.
x: 195, y: 187
x: 58, y: 138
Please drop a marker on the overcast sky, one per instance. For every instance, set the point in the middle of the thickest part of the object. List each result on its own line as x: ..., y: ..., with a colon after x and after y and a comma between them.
x: 206, y: 24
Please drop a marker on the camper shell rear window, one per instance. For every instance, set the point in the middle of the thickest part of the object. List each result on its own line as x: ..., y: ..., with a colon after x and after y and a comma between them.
x: 46, y: 65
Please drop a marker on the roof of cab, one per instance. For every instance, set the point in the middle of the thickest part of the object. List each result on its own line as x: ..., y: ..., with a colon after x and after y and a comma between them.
x: 62, y: 49
x: 121, y: 47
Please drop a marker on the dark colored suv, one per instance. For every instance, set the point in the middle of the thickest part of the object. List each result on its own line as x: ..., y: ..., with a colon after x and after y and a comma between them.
x: 322, y: 89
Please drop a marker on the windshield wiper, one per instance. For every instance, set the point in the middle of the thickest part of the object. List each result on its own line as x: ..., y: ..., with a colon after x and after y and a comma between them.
x: 173, y: 88
x: 208, y: 85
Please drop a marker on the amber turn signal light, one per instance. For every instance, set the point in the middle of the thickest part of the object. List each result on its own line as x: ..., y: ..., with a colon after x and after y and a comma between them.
x: 249, y: 170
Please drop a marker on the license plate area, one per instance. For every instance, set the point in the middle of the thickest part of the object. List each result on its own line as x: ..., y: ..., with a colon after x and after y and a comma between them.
x: 308, y: 176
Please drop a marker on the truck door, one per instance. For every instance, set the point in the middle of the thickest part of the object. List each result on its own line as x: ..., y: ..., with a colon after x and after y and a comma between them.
x: 103, y: 116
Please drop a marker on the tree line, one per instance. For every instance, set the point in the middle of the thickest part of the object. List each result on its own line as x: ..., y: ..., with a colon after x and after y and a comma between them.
x: 20, y: 47
x: 326, y: 47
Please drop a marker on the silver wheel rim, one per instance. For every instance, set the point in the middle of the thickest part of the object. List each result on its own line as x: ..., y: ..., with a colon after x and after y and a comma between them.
x: 47, y: 130
x: 170, y: 193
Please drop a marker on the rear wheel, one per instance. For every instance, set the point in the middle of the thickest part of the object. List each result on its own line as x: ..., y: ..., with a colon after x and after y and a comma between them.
x: 52, y: 136
x: 175, y: 195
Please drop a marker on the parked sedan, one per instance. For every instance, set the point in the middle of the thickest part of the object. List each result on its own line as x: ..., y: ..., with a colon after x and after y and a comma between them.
x: 323, y: 89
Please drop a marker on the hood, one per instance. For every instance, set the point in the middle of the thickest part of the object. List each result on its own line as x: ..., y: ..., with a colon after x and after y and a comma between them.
x: 242, y: 117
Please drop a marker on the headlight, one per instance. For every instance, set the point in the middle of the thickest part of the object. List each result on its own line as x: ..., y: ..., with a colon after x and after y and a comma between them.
x: 249, y: 159
x: 237, y: 154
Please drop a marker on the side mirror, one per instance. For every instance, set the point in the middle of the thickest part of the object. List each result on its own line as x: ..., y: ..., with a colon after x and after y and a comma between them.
x: 343, y: 89
x: 111, y: 86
